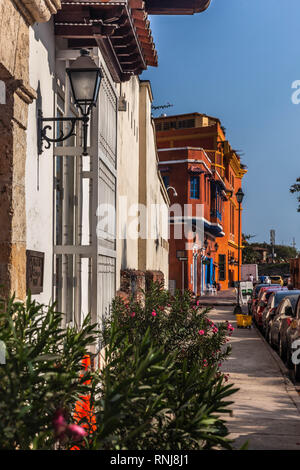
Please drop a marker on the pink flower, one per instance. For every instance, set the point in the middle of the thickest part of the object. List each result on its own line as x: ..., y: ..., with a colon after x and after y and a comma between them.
x: 154, y: 313
x: 62, y: 429
x: 132, y: 315
x: 201, y: 332
x: 215, y: 330
x: 77, y: 433
x: 59, y: 423
x: 198, y: 303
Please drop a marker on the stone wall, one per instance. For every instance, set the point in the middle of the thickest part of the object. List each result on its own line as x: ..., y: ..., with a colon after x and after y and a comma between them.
x: 135, y: 282
x: 15, y: 20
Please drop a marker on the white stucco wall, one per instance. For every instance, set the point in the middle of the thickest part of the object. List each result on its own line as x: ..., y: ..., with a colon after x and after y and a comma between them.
x: 39, y: 170
x: 128, y: 175
x: 155, y: 255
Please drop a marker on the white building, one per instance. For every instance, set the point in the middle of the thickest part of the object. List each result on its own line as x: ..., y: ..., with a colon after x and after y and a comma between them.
x: 53, y: 239
x: 70, y: 197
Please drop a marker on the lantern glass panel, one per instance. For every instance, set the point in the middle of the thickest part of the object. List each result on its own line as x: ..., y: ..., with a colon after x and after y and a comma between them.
x: 85, y: 85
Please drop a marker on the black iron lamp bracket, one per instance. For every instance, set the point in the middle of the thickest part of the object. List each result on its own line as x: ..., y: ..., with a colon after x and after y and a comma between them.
x: 43, y: 130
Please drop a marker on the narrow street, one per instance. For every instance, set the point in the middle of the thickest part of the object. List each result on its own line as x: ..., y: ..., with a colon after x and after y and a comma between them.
x: 266, y: 411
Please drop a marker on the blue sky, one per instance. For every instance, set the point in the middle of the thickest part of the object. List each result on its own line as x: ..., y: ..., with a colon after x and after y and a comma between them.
x: 237, y: 61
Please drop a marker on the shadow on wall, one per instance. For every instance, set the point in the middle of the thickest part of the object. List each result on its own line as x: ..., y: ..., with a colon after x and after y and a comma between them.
x: 44, y: 33
x: 124, y: 251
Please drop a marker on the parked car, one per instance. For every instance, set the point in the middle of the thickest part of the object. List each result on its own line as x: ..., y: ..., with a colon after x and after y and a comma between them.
x: 292, y: 335
x: 262, y: 302
x: 284, y: 315
x: 268, y: 295
x: 253, y: 299
x: 264, y: 280
x: 276, y: 280
x: 270, y: 311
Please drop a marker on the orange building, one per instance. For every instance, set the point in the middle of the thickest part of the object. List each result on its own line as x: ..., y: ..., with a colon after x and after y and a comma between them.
x: 199, y: 163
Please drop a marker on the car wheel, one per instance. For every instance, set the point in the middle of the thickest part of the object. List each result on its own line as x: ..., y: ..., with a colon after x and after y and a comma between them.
x: 270, y: 338
x: 267, y: 334
x: 282, y: 350
x: 297, y: 372
x: 289, y: 360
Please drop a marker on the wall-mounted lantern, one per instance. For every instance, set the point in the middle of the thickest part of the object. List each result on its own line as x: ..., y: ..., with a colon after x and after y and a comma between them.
x: 85, y: 79
x: 175, y: 194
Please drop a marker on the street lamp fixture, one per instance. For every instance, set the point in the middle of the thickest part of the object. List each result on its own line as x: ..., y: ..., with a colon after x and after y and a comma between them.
x: 205, y: 244
x: 239, y: 197
x: 85, y: 79
x: 175, y: 194
x: 216, y: 246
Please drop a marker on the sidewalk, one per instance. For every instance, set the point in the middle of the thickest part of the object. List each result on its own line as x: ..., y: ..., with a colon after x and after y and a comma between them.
x: 266, y: 411
x: 222, y: 298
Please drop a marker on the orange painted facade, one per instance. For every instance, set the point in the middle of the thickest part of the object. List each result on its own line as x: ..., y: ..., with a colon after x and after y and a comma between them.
x: 196, y: 159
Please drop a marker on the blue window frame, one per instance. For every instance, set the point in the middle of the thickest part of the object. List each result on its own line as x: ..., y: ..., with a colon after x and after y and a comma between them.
x: 195, y: 187
x: 166, y: 180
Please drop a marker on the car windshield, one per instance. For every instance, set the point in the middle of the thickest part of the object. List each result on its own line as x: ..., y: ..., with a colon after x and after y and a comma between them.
x: 267, y: 295
x: 287, y: 293
x: 293, y: 299
x: 270, y: 289
x: 257, y: 288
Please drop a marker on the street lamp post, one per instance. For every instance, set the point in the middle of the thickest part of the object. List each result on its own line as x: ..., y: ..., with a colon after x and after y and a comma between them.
x: 85, y: 79
x: 239, y: 197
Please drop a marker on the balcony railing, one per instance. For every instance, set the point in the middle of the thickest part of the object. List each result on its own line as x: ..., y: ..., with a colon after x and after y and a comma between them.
x: 216, y: 214
x: 217, y: 161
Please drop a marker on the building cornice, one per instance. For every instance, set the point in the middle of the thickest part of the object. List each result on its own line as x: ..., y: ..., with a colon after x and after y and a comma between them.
x: 37, y: 11
x: 176, y: 7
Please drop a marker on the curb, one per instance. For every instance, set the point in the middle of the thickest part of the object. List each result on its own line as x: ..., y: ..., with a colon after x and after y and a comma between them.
x: 289, y: 385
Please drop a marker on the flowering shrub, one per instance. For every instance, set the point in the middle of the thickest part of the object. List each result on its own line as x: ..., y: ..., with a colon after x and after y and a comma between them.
x: 42, y: 375
x: 146, y: 399
x: 161, y: 386
x: 176, y: 324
